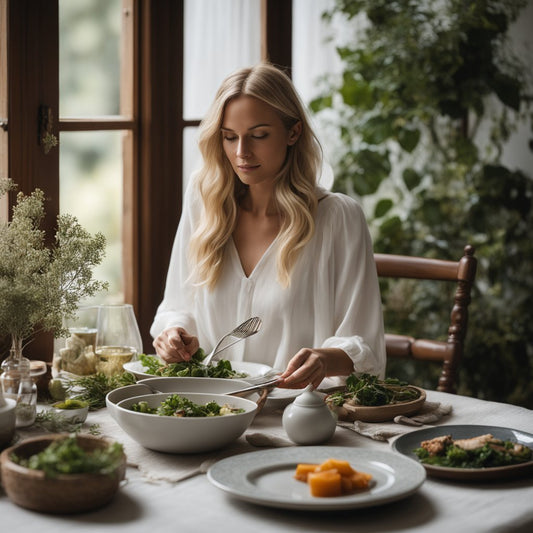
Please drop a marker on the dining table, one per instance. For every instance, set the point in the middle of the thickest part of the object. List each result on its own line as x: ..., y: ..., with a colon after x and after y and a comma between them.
x: 172, y: 492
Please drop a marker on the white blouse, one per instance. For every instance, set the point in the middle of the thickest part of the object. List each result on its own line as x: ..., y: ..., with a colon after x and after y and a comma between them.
x: 333, y: 299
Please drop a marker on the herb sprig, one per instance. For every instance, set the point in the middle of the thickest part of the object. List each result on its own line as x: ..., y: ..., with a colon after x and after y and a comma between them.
x: 55, y: 422
x: 94, y: 388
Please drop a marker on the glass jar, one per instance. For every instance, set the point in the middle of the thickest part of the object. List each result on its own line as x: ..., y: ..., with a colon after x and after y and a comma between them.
x: 18, y: 384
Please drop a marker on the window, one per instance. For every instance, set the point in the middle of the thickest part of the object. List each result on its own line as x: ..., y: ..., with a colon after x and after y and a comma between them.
x: 128, y: 121
x: 95, y: 94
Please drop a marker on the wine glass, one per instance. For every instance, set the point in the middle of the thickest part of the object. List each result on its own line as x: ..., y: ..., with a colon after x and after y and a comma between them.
x: 118, y: 339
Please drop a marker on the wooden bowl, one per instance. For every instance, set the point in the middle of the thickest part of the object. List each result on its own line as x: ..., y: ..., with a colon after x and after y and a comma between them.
x: 64, y: 494
x: 379, y: 413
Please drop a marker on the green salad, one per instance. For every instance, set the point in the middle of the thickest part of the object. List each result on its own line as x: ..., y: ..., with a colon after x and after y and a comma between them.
x: 179, y: 406
x: 66, y: 456
x: 484, y: 451
x: 366, y: 389
x: 193, y: 368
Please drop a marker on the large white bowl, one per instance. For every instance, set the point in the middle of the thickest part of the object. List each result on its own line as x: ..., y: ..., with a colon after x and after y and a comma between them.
x: 276, y: 399
x: 184, y: 434
x: 211, y: 385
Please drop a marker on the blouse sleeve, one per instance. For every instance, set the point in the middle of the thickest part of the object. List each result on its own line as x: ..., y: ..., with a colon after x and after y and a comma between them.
x: 358, y: 318
x: 176, y: 307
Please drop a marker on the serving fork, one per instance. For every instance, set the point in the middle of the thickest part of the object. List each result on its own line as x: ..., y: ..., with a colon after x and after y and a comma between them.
x: 242, y: 331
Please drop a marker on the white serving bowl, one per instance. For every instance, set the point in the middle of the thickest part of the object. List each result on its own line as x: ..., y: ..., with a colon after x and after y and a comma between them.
x: 211, y: 385
x: 184, y: 434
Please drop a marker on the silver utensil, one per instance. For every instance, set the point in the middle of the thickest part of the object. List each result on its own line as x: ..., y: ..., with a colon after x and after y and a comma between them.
x: 246, y: 329
x: 271, y: 383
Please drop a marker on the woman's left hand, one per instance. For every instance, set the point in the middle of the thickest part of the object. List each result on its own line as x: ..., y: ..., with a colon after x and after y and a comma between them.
x: 312, y: 365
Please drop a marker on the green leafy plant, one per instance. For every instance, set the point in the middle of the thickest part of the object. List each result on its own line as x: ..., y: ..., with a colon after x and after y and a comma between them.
x: 40, y: 285
x: 66, y: 456
x: 427, y: 99
x: 193, y: 368
x: 366, y: 389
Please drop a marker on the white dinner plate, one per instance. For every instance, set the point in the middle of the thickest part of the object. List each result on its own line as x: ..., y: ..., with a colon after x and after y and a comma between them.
x: 406, y: 444
x: 253, y: 371
x: 267, y: 477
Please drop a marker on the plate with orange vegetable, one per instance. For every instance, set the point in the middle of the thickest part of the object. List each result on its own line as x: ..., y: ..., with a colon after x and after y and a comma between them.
x: 318, y: 477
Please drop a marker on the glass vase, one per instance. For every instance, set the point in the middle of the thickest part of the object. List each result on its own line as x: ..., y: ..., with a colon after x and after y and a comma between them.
x: 18, y: 384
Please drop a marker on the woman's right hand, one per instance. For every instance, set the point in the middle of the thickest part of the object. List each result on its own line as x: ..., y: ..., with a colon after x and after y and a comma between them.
x: 175, y: 344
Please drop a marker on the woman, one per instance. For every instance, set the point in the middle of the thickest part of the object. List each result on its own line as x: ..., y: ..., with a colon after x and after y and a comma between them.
x: 258, y: 237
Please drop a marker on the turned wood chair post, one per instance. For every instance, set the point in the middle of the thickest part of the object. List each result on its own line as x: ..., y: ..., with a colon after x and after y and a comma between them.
x: 458, y: 320
x: 450, y: 353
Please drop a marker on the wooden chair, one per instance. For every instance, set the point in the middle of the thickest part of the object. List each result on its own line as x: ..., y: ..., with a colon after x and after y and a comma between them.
x: 450, y: 352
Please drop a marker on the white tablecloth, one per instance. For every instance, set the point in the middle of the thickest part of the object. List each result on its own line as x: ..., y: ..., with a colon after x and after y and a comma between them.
x: 194, y: 505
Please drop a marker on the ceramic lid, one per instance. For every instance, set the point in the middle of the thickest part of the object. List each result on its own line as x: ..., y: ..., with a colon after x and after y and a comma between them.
x: 308, y: 398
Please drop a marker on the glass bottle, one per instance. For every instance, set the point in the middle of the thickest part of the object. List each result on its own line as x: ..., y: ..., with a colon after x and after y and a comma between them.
x: 18, y: 384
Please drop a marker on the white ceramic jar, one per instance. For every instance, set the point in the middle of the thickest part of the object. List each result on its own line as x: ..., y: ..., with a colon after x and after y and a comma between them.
x: 308, y: 420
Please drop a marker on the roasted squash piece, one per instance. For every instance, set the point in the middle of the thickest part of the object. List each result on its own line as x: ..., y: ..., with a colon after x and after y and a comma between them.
x: 360, y: 480
x: 343, y: 467
x: 303, y: 470
x: 333, y: 477
x: 326, y: 483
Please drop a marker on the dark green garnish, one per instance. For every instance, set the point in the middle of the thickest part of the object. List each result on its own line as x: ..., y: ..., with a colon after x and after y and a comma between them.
x: 491, y: 454
x: 179, y: 406
x: 70, y: 404
x: 193, y: 368
x: 66, y: 456
x: 366, y: 389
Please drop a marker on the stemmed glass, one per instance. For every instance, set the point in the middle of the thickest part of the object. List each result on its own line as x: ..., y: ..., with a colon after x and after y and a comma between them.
x: 118, y: 339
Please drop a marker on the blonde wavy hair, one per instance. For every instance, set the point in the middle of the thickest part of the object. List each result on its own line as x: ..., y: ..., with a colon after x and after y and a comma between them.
x: 295, y: 192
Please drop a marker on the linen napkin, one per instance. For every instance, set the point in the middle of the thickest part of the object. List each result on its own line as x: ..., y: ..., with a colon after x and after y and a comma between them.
x: 430, y: 413
x: 261, y: 440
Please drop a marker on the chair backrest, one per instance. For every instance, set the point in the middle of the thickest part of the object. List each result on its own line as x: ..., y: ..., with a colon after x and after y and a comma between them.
x: 462, y: 272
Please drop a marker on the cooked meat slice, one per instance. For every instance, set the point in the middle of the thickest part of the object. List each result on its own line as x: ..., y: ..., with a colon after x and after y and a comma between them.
x: 437, y: 445
x: 475, y: 442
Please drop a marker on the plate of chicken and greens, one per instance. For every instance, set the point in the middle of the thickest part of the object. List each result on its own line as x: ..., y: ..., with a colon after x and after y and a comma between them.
x: 470, y: 452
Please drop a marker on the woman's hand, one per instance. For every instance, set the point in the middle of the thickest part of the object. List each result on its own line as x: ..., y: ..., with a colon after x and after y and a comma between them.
x: 312, y: 365
x: 175, y: 344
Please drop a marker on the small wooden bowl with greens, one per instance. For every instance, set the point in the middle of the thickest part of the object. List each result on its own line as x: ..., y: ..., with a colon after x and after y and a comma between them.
x: 62, y: 473
x: 369, y: 399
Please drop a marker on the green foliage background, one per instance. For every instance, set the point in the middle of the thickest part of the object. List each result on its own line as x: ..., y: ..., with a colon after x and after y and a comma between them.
x: 414, y: 95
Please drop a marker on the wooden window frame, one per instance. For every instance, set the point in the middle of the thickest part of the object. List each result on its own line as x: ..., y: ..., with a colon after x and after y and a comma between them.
x: 151, y: 114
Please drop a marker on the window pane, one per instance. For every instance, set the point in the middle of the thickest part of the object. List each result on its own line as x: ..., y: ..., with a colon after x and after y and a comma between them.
x: 89, y: 57
x: 220, y: 36
x: 313, y: 56
x: 90, y: 181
